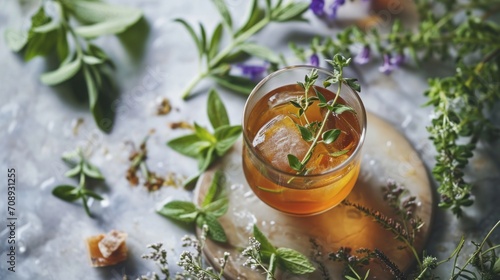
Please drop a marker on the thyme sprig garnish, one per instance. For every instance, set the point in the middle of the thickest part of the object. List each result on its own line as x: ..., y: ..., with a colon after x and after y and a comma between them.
x: 72, y: 43
x: 314, y: 132
x: 463, y: 35
x: 215, y: 60
x: 82, y: 169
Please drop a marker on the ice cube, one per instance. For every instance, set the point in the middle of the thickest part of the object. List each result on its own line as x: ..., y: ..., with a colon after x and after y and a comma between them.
x: 278, y: 138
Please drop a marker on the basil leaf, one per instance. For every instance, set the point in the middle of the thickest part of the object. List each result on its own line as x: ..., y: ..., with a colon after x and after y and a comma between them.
x: 215, y: 229
x: 217, y: 208
x: 183, y: 211
x: 206, y: 159
x: 294, y: 261
x: 92, y: 171
x: 260, y: 51
x: 226, y: 137
x: 266, y: 248
x: 66, y: 192
x: 294, y: 163
x: 331, y: 135
x: 213, y: 190
x: 15, y: 39
x: 203, y: 133
x: 61, y: 74
x: 238, y: 84
x: 216, y: 110
x: 189, y: 145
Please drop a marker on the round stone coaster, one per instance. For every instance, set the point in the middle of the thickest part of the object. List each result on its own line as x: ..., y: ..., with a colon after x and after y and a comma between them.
x: 387, y: 155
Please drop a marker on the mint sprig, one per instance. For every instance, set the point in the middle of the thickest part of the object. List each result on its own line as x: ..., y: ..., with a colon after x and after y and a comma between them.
x: 69, y: 33
x: 81, y: 169
x: 203, y: 145
x: 213, y: 207
x: 263, y: 254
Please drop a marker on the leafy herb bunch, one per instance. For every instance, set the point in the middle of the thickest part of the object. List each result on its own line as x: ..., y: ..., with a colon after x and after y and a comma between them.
x: 215, y: 60
x: 83, y: 170
x: 314, y: 132
x: 73, y: 46
x: 462, y: 35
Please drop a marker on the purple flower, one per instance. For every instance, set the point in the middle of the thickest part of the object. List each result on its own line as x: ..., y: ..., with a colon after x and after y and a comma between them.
x: 364, y: 56
x: 398, y: 60
x: 387, y: 67
x: 254, y: 72
x: 314, y: 60
x: 317, y: 7
x: 333, y: 8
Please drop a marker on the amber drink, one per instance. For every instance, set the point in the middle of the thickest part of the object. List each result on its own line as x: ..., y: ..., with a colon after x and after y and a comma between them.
x: 271, y: 133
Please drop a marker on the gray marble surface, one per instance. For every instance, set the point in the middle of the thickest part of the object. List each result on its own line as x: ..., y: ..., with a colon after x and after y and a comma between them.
x: 37, y: 123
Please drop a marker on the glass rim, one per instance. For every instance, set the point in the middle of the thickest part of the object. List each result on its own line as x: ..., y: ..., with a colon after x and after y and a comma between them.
x: 362, y: 123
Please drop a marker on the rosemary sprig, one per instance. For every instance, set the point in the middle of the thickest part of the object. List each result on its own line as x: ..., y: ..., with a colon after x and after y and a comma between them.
x: 72, y: 43
x: 215, y: 60
x: 314, y: 132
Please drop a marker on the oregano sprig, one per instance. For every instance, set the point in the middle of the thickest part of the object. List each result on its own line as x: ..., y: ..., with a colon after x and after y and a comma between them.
x: 315, y: 132
x: 69, y: 33
x: 82, y: 169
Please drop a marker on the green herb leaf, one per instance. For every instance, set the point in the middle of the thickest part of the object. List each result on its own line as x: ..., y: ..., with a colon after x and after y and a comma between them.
x: 215, y: 42
x: 260, y: 51
x: 341, y: 108
x: 63, y: 73
x: 238, y: 84
x: 206, y: 159
x: 226, y: 16
x: 179, y: 210
x: 216, y: 110
x: 15, y: 39
x: 331, y: 135
x: 190, y: 145
x: 273, y: 261
x: 305, y: 133
x: 266, y: 248
x: 74, y: 171
x: 226, y: 137
x: 217, y: 208
x: 290, y: 11
x: 92, y: 171
x: 66, y: 192
x: 339, y: 153
x: 294, y: 163
x: 92, y: 194
x: 294, y: 261
x: 191, y: 32
x: 214, y: 189
x: 255, y: 14
x: 215, y: 229
x: 204, y: 134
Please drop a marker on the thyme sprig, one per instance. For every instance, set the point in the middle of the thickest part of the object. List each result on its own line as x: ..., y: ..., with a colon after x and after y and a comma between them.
x: 215, y: 60
x: 315, y: 132
x: 82, y: 169
x: 69, y: 32
x: 463, y: 35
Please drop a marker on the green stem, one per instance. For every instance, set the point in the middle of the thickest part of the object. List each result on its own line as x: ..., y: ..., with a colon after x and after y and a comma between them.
x: 192, y: 84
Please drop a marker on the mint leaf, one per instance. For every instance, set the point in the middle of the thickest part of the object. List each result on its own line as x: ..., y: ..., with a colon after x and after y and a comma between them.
x: 215, y: 229
x: 217, y: 208
x: 179, y: 210
x: 216, y: 110
x: 294, y: 261
x: 189, y: 145
x: 203, y: 133
x: 214, y: 188
x: 266, y: 248
x: 226, y: 137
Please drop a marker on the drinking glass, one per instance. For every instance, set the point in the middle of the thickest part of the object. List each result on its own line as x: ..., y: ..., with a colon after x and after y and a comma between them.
x: 271, y: 133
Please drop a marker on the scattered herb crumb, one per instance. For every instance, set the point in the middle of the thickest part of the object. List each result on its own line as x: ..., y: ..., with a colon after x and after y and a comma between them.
x: 164, y: 107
